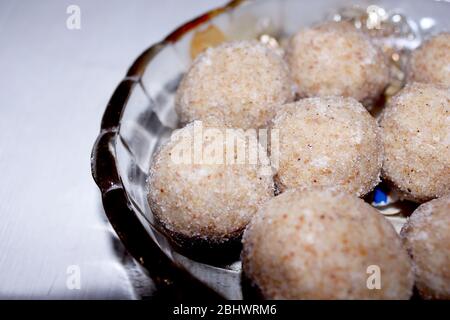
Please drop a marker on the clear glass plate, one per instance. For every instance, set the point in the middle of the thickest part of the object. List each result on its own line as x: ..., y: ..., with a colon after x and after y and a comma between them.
x: 141, y: 114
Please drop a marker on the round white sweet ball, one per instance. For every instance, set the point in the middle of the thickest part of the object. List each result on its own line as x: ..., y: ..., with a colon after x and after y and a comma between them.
x: 335, y: 58
x: 328, y: 141
x: 324, y: 244
x: 416, y: 140
x: 430, y: 63
x: 241, y: 82
x: 202, y: 196
x: 427, y: 237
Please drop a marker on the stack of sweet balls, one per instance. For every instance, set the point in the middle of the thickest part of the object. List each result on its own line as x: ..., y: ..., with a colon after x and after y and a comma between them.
x: 306, y: 232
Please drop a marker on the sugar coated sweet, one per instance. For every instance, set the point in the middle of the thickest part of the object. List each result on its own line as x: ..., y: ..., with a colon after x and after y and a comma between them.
x: 430, y: 63
x: 204, y: 196
x: 416, y: 137
x: 335, y: 58
x: 241, y: 82
x: 427, y: 238
x: 328, y: 141
x: 324, y: 244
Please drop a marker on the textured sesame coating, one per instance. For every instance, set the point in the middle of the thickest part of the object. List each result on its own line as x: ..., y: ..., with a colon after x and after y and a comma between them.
x: 334, y: 58
x: 416, y: 137
x: 318, y: 244
x: 427, y: 238
x: 326, y: 142
x: 213, y: 202
x: 242, y: 82
x: 430, y: 63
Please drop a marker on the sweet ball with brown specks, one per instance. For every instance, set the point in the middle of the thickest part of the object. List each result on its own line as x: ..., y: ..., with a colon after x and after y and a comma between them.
x: 241, y: 82
x: 416, y: 138
x: 324, y: 244
x: 430, y: 63
x: 335, y: 58
x: 203, y: 194
x: 328, y: 141
x: 427, y: 238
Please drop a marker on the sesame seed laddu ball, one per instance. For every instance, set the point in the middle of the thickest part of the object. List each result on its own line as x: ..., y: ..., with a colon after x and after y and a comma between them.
x: 430, y: 63
x: 328, y: 141
x: 334, y: 58
x: 324, y: 244
x: 206, y: 199
x: 416, y: 137
x: 241, y: 82
x: 427, y: 238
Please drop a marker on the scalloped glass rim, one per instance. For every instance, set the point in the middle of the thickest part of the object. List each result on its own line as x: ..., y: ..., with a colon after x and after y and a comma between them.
x: 140, y: 116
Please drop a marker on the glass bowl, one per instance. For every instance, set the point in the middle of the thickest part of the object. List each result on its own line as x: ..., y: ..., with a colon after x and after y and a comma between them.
x: 140, y: 115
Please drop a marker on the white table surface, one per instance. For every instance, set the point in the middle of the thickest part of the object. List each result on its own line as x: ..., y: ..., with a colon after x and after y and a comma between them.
x: 54, y: 86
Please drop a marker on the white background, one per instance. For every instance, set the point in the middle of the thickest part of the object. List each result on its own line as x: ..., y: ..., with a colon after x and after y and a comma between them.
x: 54, y: 86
